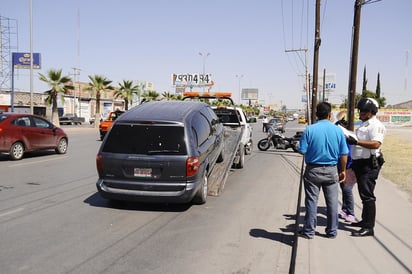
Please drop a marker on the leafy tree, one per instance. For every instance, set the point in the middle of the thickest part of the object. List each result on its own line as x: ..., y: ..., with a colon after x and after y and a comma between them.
x: 365, y: 81
x: 367, y: 94
x: 126, y: 91
x: 59, y: 85
x: 378, y: 87
x: 97, y: 85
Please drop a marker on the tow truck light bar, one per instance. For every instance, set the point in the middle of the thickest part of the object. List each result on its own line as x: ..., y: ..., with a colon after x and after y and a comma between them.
x: 206, y: 94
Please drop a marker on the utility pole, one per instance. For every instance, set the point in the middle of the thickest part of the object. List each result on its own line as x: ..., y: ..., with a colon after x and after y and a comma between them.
x: 315, y: 63
x: 405, y: 87
x: 76, y: 72
x: 307, y: 82
x: 354, y: 65
x: 354, y: 61
x: 323, y: 85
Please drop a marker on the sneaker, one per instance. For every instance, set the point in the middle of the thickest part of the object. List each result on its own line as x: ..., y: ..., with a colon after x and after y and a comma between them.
x: 350, y: 218
x: 342, y: 215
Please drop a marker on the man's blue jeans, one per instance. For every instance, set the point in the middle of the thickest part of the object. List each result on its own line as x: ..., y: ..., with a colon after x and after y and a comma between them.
x: 315, y: 178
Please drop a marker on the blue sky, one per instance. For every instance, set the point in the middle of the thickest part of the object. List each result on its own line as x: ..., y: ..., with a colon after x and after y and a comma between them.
x: 150, y: 40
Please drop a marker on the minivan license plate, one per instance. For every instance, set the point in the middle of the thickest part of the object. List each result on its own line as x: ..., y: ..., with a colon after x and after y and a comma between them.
x: 143, y: 172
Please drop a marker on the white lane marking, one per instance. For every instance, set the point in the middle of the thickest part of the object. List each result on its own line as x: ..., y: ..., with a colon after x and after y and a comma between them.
x: 11, y: 212
x: 38, y: 161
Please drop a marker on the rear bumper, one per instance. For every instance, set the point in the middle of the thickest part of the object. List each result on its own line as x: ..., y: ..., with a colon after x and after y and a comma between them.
x: 148, y: 192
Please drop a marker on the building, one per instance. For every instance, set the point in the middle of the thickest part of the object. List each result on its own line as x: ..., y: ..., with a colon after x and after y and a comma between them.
x: 78, y: 101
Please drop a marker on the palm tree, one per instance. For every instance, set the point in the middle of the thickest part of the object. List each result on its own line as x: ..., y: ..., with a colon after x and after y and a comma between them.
x: 150, y: 95
x: 168, y: 96
x: 126, y: 91
x: 179, y: 97
x: 59, y: 85
x: 97, y: 85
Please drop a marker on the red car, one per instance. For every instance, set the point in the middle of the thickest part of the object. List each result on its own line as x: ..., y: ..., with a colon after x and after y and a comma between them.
x: 20, y: 133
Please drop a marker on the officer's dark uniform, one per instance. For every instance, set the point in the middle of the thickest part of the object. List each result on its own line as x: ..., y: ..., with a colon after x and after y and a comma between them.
x: 367, y: 162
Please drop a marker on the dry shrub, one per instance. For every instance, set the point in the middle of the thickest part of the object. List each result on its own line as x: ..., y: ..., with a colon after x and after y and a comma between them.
x: 398, y: 166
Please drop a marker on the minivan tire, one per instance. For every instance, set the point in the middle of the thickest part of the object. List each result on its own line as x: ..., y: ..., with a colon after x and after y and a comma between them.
x: 220, y: 158
x: 201, y: 195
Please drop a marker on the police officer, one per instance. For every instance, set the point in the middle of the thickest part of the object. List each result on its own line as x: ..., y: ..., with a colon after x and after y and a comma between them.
x: 367, y: 161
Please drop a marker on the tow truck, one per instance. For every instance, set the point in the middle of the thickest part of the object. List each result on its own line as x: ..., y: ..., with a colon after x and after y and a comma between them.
x: 237, y: 135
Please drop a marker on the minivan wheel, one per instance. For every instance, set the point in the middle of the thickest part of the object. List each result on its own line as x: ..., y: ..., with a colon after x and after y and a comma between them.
x: 220, y: 158
x: 201, y: 195
x: 17, y: 151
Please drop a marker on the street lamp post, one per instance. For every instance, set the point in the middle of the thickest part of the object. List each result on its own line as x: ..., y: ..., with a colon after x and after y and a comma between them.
x: 204, y: 64
x: 240, y: 91
x: 31, y: 58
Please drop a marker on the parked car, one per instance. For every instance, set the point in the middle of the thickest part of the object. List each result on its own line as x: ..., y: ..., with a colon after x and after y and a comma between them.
x: 71, y: 119
x: 302, y: 120
x: 160, y: 151
x: 277, y: 123
x: 107, y: 123
x: 20, y: 133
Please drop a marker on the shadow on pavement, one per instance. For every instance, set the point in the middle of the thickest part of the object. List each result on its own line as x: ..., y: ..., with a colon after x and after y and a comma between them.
x: 96, y: 200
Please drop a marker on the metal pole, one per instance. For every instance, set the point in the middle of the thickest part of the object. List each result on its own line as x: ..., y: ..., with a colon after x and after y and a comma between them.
x: 307, y: 80
x: 31, y: 57
x: 12, y: 83
x: 204, y: 65
x: 323, y: 89
x: 240, y: 91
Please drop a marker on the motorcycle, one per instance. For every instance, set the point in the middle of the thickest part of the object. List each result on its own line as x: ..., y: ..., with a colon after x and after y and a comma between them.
x: 276, y: 139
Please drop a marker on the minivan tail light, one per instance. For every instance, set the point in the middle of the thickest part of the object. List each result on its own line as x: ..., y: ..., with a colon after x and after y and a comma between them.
x: 99, y: 163
x: 192, y: 166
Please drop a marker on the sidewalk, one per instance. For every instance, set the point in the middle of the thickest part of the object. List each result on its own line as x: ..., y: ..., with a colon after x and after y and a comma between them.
x: 389, y: 251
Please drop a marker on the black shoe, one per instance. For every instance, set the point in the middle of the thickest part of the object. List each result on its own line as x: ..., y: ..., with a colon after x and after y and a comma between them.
x: 304, y: 235
x: 363, y: 232
x: 357, y: 224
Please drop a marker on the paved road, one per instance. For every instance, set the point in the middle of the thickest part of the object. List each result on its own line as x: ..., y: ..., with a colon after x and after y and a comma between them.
x: 53, y: 221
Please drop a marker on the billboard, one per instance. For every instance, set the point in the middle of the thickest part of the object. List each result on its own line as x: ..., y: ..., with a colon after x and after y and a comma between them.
x: 249, y: 93
x: 192, y: 80
x: 330, y: 82
x: 21, y: 60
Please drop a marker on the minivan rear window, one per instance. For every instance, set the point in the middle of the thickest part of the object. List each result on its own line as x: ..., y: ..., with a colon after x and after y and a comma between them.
x: 146, y: 139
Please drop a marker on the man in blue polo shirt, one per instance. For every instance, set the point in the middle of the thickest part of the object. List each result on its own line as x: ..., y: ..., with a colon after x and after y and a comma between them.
x: 323, y: 144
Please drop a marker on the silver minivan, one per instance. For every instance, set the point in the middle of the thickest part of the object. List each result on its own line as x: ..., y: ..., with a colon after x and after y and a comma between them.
x: 160, y: 151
